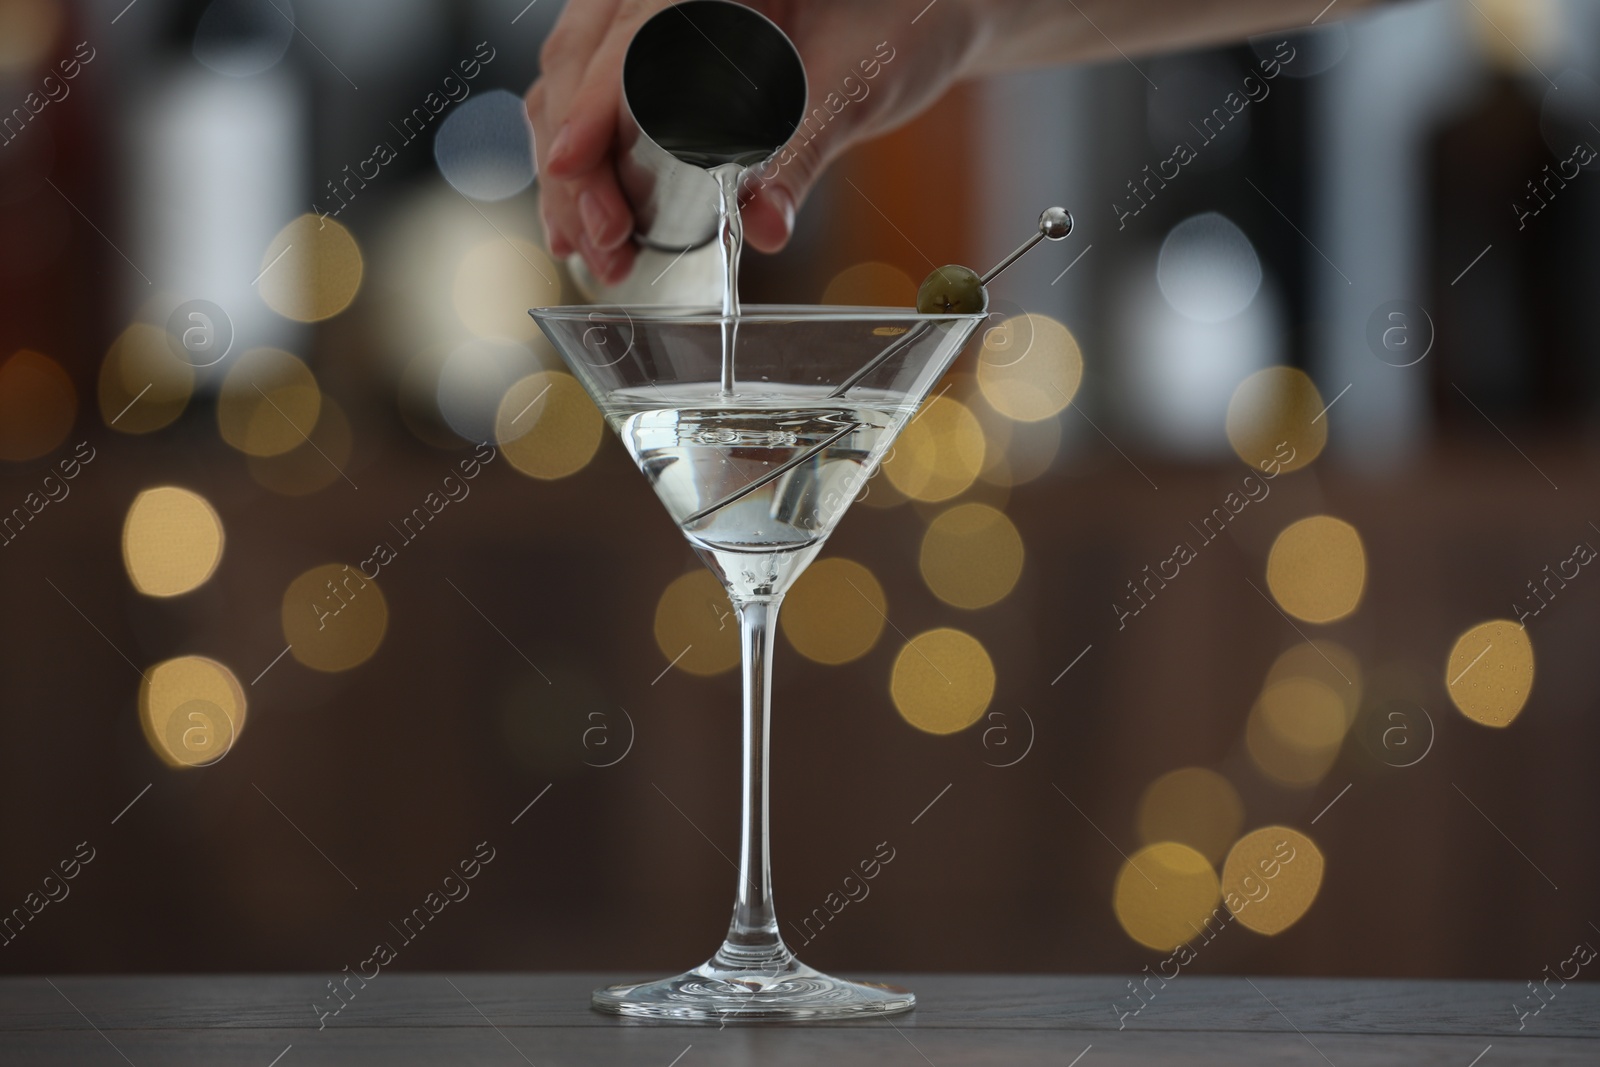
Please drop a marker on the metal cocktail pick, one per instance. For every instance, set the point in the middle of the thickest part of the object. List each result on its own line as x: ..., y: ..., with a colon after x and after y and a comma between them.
x: 1055, y: 223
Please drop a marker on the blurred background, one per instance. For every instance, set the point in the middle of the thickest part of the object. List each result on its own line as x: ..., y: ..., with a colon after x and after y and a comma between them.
x: 263, y: 277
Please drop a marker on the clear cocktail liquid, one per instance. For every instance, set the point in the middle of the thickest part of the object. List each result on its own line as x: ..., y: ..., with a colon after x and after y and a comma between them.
x: 759, y: 477
x: 755, y: 474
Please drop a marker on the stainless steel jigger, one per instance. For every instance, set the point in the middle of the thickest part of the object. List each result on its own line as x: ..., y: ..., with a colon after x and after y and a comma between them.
x: 704, y: 83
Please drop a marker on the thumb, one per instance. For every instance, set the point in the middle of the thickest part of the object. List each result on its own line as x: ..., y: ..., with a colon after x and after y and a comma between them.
x: 775, y: 191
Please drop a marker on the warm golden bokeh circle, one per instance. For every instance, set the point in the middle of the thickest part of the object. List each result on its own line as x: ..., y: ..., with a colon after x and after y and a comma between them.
x: 311, y: 271
x: 835, y: 612
x: 871, y: 284
x: 696, y: 628
x: 38, y: 404
x: 1490, y: 672
x: 315, y: 464
x: 1164, y: 894
x: 269, y: 403
x: 942, y: 681
x: 547, y: 426
x: 1018, y: 452
x: 178, y: 702
x: 498, y: 281
x: 1274, y: 408
x: 1317, y: 569
x: 171, y: 541
x: 1030, y: 367
x: 1281, y: 762
x: 1327, y: 662
x: 334, y: 618
x: 143, y: 386
x: 1297, y: 728
x: 1304, y: 714
x: 939, y: 453
x: 1271, y: 877
x: 1193, y: 806
x: 971, y: 556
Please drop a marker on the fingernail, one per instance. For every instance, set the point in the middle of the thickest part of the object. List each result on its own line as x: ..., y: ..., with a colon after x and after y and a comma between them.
x: 558, y: 147
x: 596, y: 222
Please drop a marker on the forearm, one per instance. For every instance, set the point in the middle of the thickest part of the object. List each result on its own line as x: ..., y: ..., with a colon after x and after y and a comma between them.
x: 1024, y: 33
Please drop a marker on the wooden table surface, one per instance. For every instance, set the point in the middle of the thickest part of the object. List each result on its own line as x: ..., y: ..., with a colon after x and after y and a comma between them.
x: 544, y: 1019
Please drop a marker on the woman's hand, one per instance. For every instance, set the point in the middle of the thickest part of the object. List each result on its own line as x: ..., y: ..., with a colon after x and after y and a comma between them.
x: 915, y: 49
x: 871, y: 65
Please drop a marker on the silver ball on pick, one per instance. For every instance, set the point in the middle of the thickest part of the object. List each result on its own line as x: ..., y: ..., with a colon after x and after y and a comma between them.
x: 955, y: 289
x: 1055, y: 223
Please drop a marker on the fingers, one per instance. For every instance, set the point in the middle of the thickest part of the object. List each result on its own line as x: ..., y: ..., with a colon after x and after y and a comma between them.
x: 564, y: 61
x: 775, y: 190
x: 768, y: 215
x: 584, y: 155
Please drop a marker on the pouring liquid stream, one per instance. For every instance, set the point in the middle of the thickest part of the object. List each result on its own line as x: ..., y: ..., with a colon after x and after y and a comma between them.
x: 730, y: 235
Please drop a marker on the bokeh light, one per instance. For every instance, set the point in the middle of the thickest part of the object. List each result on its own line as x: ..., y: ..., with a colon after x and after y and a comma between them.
x: 1304, y: 714
x: 1030, y: 367
x: 939, y: 453
x: 835, y: 612
x: 243, y: 38
x: 696, y: 628
x: 334, y: 618
x: 269, y: 403
x: 314, y: 464
x: 1515, y: 35
x: 474, y: 380
x: 311, y: 271
x: 498, y: 281
x: 1328, y: 662
x: 971, y: 556
x: 547, y: 426
x: 1317, y: 569
x: 1208, y: 269
x: 1164, y: 894
x: 484, y: 148
x: 871, y: 284
x: 1490, y: 672
x: 27, y: 30
x: 37, y: 406
x: 1271, y: 878
x: 1295, y: 731
x: 1017, y: 453
x: 417, y: 398
x: 1275, y: 413
x: 143, y: 385
x: 942, y: 681
x: 1193, y: 806
x: 171, y: 541
x: 192, y: 710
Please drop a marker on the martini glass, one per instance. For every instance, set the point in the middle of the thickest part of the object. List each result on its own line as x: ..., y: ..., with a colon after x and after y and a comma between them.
x: 756, y: 477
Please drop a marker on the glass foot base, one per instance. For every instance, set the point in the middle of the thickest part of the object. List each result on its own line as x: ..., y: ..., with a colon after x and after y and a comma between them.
x: 710, y: 993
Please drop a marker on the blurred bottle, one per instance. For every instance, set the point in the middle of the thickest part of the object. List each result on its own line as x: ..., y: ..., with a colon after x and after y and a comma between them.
x: 1513, y: 329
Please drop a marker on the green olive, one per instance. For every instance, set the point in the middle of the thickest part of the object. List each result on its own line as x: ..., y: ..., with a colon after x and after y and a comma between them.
x: 952, y: 290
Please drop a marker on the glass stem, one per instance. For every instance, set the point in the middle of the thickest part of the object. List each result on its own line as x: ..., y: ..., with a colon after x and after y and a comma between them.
x: 753, y: 942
